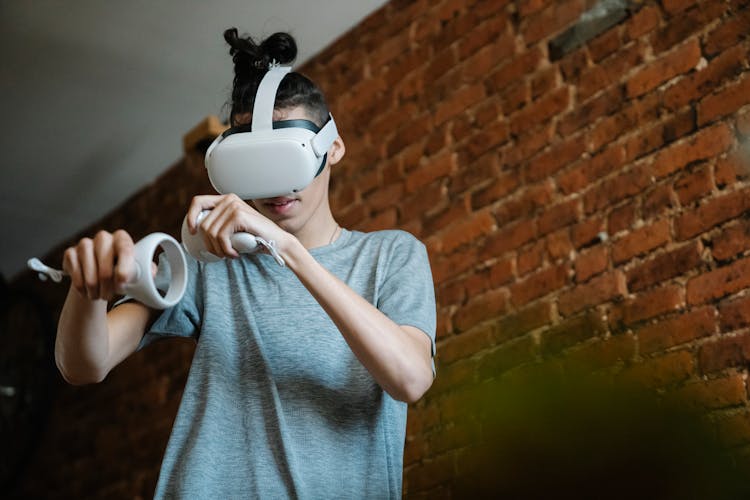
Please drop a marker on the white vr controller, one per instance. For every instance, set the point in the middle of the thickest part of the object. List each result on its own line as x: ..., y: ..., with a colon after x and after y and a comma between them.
x: 142, y: 288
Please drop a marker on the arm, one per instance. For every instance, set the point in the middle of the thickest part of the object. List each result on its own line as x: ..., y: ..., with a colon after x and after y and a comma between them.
x: 398, y: 357
x: 90, y: 341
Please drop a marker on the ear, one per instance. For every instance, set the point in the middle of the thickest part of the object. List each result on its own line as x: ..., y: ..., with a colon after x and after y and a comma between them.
x: 336, y: 151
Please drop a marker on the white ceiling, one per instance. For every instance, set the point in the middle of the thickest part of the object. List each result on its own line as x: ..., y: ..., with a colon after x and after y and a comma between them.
x: 96, y: 96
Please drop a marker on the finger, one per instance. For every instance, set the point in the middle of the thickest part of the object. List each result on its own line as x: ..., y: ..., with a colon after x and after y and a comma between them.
x: 124, y: 249
x: 73, y: 268
x: 88, y: 268
x: 104, y: 255
x: 197, y: 205
x: 225, y: 224
x: 210, y: 226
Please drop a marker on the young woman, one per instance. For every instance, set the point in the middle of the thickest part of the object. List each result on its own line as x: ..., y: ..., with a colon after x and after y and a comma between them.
x: 301, y: 374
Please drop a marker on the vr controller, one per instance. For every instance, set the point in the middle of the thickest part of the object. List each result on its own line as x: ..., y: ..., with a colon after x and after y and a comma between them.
x: 143, y: 288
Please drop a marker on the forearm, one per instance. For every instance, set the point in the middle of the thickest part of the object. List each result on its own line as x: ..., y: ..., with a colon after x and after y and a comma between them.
x: 399, y: 362
x: 82, y: 343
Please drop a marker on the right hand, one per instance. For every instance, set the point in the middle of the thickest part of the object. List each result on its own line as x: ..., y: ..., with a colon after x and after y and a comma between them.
x: 99, y: 267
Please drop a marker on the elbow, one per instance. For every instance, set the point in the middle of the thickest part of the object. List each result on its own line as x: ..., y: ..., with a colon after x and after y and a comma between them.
x: 80, y: 377
x: 410, y: 391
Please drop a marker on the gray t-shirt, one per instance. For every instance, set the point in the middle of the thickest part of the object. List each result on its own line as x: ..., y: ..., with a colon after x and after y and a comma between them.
x: 276, y: 405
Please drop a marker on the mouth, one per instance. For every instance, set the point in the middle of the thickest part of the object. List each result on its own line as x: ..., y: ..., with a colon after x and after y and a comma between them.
x: 280, y: 205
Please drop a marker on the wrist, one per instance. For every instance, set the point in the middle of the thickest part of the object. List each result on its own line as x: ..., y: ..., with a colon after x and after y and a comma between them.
x: 294, y: 253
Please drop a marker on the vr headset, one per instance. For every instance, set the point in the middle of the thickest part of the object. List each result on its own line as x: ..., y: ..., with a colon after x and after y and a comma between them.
x: 267, y: 158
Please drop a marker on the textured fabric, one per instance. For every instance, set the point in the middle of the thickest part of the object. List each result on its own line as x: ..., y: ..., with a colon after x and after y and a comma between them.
x: 276, y: 404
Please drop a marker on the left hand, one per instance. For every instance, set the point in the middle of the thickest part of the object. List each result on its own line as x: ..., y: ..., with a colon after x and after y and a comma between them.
x: 229, y: 214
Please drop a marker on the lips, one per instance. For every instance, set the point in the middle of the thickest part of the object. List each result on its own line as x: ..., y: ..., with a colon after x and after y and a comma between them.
x: 280, y: 205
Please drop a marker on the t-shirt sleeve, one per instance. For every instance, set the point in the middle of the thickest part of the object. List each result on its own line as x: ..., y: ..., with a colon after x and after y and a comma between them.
x: 182, y: 319
x: 407, y: 293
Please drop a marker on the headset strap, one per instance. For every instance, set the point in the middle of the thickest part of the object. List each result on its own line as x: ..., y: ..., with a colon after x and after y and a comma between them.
x: 265, y: 98
x: 323, y: 140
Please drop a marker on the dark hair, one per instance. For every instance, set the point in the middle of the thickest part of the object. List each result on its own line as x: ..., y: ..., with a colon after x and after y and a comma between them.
x: 251, y: 62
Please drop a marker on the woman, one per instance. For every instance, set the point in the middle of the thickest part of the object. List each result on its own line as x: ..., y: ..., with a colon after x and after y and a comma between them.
x: 301, y: 375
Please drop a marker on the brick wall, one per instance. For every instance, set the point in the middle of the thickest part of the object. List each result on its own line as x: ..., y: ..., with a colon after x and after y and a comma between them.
x: 587, y: 208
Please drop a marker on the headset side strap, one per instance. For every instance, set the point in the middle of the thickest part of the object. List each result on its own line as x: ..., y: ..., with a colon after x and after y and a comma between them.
x: 265, y: 98
x: 323, y: 140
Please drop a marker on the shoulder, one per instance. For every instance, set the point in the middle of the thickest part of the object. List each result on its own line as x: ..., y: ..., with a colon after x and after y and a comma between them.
x: 387, y: 238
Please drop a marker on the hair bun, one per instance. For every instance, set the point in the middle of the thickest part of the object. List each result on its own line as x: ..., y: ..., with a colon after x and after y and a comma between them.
x: 280, y: 47
x: 250, y: 57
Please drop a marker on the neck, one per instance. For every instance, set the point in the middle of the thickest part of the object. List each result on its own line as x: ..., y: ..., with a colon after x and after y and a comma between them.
x: 320, y: 230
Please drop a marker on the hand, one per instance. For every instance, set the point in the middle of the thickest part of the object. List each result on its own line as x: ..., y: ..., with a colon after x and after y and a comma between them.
x: 228, y: 215
x: 99, y: 267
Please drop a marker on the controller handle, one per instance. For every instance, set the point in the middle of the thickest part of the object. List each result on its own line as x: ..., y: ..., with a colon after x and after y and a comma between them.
x: 142, y: 288
x: 193, y: 243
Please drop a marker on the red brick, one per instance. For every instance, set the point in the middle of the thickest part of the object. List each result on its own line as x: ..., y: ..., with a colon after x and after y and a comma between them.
x: 641, y: 241
x: 597, y: 291
x: 665, y: 132
x: 558, y: 216
x: 514, y: 69
x: 615, y: 189
x: 526, y: 320
x: 482, y: 35
x: 711, y: 214
x: 489, y: 138
x: 587, y: 233
x: 544, y: 81
x: 464, y: 345
x: 603, y: 353
x: 488, y: 57
x: 541, y: 111
x: 539, y: 284
x: 501, y: 272
x: 526, y: 7
x: 614, y: 127
x: 605, y: 44
x: 446, y: 267
x: 591, y: 110
x: 665, y: 266
x: 729, y: 170
x: 464, y: 232
x: 731, y: 98
x: 589, y: 170
x: 694, y: 185
x: 515, y: 97
x: 549, y: 162
x: 508, y: 238
x: 449, y: 215
x: 735, y: 314
x: 458, y: 101
x: 559, y: 245
x: 503, y: 185
x: 643, y: 22
x: 438, y: 167
x: 592, y: 81
x: 731, y: 241
x: 686, y: 24
x: 381, y: 220
x: 530, y: 257
x: 703, y: 82
x: 489, y: 111
x: 672, y: 6
x: 663, y: 371
x: 528, y: 144
x: 622, y: 218
x: 420, y: 203
x: 551, y: 20
x: 719, y: 282
x: 574, y: 64
x: 572, y: 331
x: 658, y: 201
x: 507, y: 356
x: 450, y: 293
x: 676, y: 62
x: 706, y: 143
x: 725, y: 352
x: 646, y: 305
x: 677, y: 330
x: 483, y: 307
x: 526, y: 202
x: 729, y: 33
x: 591, y: 262
x: 715, y: 393
x: 471, y: 174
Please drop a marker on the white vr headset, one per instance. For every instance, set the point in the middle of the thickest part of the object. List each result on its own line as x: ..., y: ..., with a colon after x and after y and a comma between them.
x: 267, y: 158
